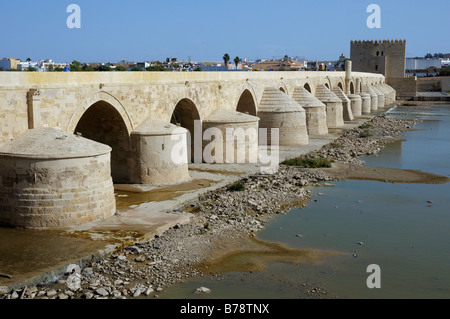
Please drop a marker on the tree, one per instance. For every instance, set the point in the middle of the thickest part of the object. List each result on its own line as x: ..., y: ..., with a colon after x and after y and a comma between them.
x: 444, y: 72
x: 120, y: 68
x: 156, y: 67
x: 87, y: 68
x: 28, y: 60
x: 197, y: 69
x: 226, y: 58
x: 236, y: 61
x: 136, y: 69
x: 1, y: 69
x: 31, y: 69
x: 75, y: 66
x: 103, y: 68
x: 59, y: 69
x: 428, y: 56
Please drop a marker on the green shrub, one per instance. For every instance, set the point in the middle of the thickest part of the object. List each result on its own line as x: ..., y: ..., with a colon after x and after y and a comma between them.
x: 307, y: 162
x: 336, y: 145
x: 236, y: 187
x: 365, y: 133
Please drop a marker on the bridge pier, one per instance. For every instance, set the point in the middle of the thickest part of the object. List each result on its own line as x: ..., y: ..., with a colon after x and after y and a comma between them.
x: 346, y: 104
x: 381, y: 99
x: 230, y: 137
x: 389, y: 92
x: 366, y: 102
x: 316, y: 115
x: 333, y: 104
x: 159, y: 152
x: 373, y: 97
x: 50, y: 178
x: 356, y: 104
x: 277, y: 110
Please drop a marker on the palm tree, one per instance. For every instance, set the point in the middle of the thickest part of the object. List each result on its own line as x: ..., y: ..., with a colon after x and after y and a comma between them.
x: 236, y: 61
x: 226, y: 58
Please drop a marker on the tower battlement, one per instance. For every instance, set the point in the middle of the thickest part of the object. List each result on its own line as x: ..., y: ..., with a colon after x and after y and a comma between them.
x: 378, y: 42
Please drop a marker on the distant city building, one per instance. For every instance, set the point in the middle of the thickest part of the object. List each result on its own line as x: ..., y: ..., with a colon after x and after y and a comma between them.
x: 421, y: 64
x: 302, y: 61
x: 242, y: 66
x: 213, y: 66
x: 171, y: 60
x: 9, y: 64
x: 220, y: 66
x: 421, y: 67
x: 285, y: 64
x: 45, y: 65
x: 142, y: 65
x: 23, y: 66
x: 41, y: 65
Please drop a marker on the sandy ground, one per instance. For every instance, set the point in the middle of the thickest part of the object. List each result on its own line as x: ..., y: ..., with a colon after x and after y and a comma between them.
x: 389, y: 175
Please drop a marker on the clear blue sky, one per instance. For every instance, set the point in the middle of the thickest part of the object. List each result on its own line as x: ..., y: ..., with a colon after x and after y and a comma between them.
x: 206, y: 29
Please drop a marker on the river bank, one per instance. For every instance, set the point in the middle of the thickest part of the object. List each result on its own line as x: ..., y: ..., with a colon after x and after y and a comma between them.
x: 223, y: 220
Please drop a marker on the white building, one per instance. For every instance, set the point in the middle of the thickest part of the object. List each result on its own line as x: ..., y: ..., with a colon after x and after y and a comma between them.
x: 23, y: 66
x: 422, y: 64
x: 41, y: 65
x: 445, y: 62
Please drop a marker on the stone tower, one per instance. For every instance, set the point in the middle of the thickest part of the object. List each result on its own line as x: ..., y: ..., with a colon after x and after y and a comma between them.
x: 386, y: 57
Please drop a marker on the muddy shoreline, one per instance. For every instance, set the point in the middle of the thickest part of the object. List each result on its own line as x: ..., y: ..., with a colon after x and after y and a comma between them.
x: 224, y: 220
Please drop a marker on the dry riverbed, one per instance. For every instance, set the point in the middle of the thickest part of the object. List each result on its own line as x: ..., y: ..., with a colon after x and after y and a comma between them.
x: 225, y: 222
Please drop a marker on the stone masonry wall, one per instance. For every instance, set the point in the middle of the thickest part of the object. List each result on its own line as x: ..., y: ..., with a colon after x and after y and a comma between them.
x: 55, y: 193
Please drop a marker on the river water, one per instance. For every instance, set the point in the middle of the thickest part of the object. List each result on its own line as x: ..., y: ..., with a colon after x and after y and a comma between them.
x: 402, y: 228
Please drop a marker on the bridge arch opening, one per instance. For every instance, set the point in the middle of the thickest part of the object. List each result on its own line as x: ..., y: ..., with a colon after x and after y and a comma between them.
x: 282, y: 90
x: 340, y: 86
x: 246, y: 103
x: 326, y: 84
x: 307, y: 87
x: 102, y: 123
x: 185, y: 114
x: 352, y: 88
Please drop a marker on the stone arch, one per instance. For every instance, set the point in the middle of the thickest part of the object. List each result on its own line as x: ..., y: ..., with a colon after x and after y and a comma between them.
x: 247, y: 103
x: 283, y: 87
x: 352, y: 88
x: 329, y: 82
x: 186, y: 114
x: 99, y: 96
x: 308, y: 87
x: 103, y: 123
x: 340, y: 85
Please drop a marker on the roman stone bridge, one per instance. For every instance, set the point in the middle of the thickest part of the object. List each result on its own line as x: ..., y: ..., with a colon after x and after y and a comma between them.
x: 135, y: 112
